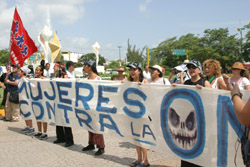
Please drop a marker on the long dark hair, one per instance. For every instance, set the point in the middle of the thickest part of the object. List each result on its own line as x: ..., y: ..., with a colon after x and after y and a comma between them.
x: 42, y: 65
x: 93, y: 68
x: 140, y: 76
x: 244, y: 73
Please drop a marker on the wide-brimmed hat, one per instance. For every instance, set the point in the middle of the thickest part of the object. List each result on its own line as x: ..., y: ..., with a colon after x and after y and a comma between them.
x: 157, y: 67
x: 121, y: 68
x: 135, y: 65
x: 238, y: 65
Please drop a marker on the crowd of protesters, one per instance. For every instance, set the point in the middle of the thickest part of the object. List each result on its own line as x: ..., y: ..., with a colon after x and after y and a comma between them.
x: 189, y: 73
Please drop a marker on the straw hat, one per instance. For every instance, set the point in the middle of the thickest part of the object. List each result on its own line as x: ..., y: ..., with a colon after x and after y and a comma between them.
x: 238, y: 65
x: 121, y: 68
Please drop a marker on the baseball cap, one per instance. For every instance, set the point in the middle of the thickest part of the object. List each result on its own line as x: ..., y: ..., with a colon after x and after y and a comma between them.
x: 157, y: 67
x: 195, y: 63
x: 15, y: 66
x: 90, y: 63
x: 135, y: 65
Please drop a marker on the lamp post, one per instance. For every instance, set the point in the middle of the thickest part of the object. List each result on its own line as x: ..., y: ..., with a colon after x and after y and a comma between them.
x: 119, y: 52
x: 240, y: 30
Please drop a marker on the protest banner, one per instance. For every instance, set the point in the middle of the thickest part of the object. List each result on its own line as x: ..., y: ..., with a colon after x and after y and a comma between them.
x: 198, y: 125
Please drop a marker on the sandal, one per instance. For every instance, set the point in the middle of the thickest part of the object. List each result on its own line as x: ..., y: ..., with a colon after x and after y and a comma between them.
x: 134, y: 164
x: 143, y: 165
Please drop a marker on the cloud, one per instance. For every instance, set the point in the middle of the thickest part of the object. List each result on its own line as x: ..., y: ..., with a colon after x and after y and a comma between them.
x: 6, y: 16
x: 65, y: 12
x: 143, y: 7
x: 34, y: 15
x: 62, y: 13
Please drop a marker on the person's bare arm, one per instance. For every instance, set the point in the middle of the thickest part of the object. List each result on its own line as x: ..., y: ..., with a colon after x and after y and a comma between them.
x: 241, y: 110
x: 181, y: 79
x: 247, y: 87
x: 226, y: 80
x: 207, y: 84
x: 172, y: 73
x: 221, y: 84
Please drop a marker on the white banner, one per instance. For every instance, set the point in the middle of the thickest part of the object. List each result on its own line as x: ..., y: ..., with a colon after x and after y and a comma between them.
x: 183, y: 122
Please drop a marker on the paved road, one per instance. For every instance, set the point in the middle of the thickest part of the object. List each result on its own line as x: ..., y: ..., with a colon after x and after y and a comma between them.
x: 21, y: 150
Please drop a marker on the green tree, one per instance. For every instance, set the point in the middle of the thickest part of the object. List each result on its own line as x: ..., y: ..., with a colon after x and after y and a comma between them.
x: 134, y: 54
x: 223, y: 47
x: 91, y: 56
x: 5, y: 57
x: 246, y: 45
x: 214, y: 44
x: 113, y: 65
x: 189, y: 41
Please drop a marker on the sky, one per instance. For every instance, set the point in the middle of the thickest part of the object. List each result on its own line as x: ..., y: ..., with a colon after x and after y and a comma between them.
x: 111, y: 23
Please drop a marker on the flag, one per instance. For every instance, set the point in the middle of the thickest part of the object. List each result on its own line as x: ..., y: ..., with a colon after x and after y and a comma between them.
x: 21, y: 45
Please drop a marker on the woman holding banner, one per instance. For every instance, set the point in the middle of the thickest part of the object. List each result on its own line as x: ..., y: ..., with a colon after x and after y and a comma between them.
x: 136, y: 75
x: 212, y: 70
x: 120, y: 76
x: 28, y: 130
x: 94, y: 139
x: 40, y: 125
x: 240, y: 76
x: 195, y: 71
x: 63, y: 134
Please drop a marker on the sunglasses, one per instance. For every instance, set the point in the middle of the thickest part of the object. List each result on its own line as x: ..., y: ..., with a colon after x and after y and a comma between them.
x: 191, y: 67
x: 235, y: 69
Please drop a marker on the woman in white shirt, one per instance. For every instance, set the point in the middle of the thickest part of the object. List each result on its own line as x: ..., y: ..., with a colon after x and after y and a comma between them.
x: 135, y: 75
x: 240, y: 76
x: 157, y: 76
x: 146, y: 73
x: 94, y: 138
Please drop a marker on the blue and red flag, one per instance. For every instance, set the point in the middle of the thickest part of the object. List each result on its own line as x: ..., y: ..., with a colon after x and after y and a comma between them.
x: 21, y: 45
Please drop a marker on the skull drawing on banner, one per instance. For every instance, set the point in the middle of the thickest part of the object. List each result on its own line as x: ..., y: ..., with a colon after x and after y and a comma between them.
x: 182, y: 123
